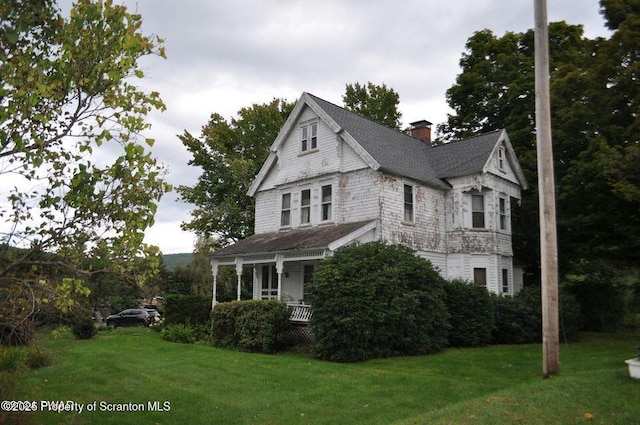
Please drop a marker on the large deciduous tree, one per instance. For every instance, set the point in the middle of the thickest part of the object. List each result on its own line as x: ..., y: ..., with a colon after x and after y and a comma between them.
x: 595, y: 101
x: 378, y: 103
x: 230, y: 154
x: 78, y: 180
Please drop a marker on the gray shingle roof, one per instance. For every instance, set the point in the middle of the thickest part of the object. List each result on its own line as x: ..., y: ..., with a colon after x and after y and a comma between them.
x: 464, y: 157
x: 296, y: 239
x: 401, y: 154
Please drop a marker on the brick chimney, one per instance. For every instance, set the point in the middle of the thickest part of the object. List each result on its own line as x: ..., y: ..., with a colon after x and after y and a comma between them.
x: 421, y: 130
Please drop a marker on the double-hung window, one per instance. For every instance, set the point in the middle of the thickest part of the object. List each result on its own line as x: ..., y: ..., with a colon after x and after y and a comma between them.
x: 501, y: 159
x: 309, y: 137
x: 505, y: 281
x: 503, y: 214
x: 408, y: 203
x: 477, y: 211
x: 285, y: 214
x: 326, y: 203
x: 305, y: 206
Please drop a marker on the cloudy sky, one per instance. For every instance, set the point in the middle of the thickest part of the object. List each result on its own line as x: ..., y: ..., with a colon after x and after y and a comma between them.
x: 227, y: 54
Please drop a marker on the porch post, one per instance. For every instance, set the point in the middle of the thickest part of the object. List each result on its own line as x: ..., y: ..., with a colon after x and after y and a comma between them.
x: 239, y: 273
x: 214, y: 270
x: 254, y: 290
x: 279, y: 271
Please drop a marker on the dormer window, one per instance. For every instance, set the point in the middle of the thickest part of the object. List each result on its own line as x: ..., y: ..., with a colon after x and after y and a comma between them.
x: 309, y: 137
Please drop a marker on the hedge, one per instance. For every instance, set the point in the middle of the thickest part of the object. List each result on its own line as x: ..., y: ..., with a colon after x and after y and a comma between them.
x: 255, y: 326
x: 472, y: 314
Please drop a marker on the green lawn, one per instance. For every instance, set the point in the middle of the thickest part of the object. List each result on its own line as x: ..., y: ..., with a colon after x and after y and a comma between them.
x: 205, y: 385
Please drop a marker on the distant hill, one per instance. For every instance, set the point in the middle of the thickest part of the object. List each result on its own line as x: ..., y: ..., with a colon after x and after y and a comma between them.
x: 172, y: 261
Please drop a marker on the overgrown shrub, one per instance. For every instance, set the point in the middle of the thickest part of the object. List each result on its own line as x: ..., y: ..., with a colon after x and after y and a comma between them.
x: 472, y: 315
x: 254, y: 326
x: 187, y: 309
x: 376, y: 300
x: 519, y: 319
x: 516, y: 321
x: 601, y: 297
x: 179, y: 332
x: 83, y: 328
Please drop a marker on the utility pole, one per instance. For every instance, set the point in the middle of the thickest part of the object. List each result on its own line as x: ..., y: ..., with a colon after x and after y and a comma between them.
x: 546, y: 190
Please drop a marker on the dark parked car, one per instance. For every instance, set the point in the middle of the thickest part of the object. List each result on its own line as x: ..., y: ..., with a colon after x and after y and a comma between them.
x: 155, y: 315
x: 130, y: 317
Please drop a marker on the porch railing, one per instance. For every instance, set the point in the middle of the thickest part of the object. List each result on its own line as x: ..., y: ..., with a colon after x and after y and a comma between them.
x: 299, y: 313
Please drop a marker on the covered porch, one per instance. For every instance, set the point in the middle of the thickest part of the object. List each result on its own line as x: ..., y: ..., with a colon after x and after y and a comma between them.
x: 283, y: 263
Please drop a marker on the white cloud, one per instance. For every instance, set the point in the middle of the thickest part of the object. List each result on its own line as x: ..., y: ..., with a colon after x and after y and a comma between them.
x: 227, y: 54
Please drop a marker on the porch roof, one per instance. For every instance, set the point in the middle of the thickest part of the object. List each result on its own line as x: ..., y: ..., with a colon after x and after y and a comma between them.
x: 292, y: 240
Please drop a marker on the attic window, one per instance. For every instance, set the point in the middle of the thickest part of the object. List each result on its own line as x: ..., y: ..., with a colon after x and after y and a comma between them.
x: 309, y: 137
x: 501, y: 159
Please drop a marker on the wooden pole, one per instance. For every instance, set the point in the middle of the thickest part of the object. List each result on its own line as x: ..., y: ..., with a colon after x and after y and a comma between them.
x: 546, y: 189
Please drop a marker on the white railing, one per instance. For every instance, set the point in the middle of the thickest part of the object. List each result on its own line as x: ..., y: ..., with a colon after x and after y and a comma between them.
x: 299, y: 313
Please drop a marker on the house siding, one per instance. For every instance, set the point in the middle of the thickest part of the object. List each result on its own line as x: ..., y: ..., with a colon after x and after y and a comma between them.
x: 426, y: 232
x: 364, y: 187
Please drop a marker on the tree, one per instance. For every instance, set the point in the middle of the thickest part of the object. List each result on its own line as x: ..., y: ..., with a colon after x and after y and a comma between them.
x: 378, y: 103
x: 594, y: 98
x: 68, y: 101
x: 230, y: 154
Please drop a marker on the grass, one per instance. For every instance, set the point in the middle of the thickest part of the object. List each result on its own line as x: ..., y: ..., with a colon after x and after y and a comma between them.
x: 205, y: 385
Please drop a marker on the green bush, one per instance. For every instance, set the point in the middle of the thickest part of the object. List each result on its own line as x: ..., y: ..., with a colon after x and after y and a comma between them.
x: 83, y: 328
x: 254, y: 326
x: 187, y: 309
x: 472, y: 315
x: 376, y: 300
x: 518, y: 320
x: 180, y: 332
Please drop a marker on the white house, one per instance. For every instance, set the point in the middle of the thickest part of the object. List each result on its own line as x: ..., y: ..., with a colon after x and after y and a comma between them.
x: 333, y: 178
